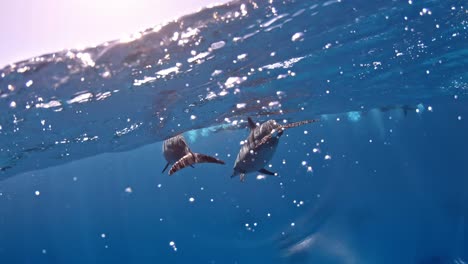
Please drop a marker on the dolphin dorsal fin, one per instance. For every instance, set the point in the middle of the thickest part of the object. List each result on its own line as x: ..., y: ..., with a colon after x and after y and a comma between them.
x: 252, y: 124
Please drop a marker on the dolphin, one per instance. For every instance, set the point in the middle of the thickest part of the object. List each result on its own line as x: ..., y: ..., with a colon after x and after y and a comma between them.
x: 177, y: 152
x: 260, y: 146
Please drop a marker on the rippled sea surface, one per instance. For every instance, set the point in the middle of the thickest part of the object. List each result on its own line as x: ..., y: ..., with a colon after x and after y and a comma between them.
x: 381, y: 178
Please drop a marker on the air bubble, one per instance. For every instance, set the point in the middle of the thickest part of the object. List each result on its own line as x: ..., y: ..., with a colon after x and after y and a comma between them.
x: 173, y: 245
x: 297, y: 36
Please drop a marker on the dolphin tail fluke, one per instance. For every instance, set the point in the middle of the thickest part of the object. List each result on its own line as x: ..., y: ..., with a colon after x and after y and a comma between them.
x: 165, y: 168
x: 192, y: 158
x: 300, y: 123
x: 280, y: 131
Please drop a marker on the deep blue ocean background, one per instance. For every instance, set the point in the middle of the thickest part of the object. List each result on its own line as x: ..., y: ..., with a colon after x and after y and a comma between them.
x: 381, y: 178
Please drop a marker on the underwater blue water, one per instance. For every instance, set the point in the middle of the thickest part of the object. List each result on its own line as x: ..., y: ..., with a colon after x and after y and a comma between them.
x: 381, y: 178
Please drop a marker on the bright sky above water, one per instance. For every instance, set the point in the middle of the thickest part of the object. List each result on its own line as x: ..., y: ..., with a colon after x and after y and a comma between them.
x: 31, y: 28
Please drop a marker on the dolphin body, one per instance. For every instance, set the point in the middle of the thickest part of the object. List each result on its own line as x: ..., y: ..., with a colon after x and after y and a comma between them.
x: 177, y: 152
x: 260, y: 146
